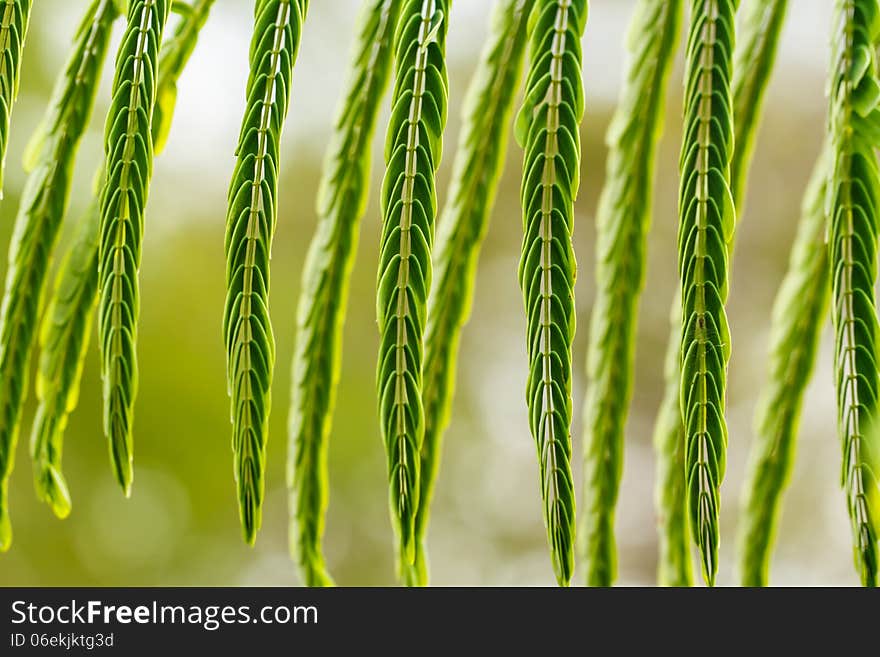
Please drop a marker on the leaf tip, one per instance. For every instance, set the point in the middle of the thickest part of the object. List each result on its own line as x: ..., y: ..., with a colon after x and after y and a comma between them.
x: 121, y: 456
x: 563, y: 568
x: 125, y: 477
x: 250, y: 522
x: 710, y: 568
x: 52, y: 489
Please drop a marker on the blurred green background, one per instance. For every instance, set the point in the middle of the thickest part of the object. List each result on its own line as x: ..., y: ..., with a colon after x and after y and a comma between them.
x: 180, y: 526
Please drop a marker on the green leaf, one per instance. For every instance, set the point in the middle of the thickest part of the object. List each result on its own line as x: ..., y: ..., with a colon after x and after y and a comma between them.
x: 798, y: 314
x: 14, y: 16
x: 413, y: 149
x: 477, y: 167
x: 66, y: 326
x: 622, y: 224
x: 852, y: 205
x: 755, y: 57
x: 758, y: 35
x: 706, y: 221
x: 321, y: 314
x: 174, y: 55
x: 548, y: 129
x: 64, y: 340
x: 43, y: 204
x: 250, y: 225
x: 129, y: 160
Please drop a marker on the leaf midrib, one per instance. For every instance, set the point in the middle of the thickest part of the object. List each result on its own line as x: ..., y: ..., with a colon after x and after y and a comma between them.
x: 706, y: 62
x: 554, y: 100
x: 407, y: 198
x: 68, y: 107
x: 257, y: 210
x: 852, y: 415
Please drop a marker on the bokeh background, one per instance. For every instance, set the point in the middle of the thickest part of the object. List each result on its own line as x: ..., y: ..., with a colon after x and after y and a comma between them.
x: 180, y: 526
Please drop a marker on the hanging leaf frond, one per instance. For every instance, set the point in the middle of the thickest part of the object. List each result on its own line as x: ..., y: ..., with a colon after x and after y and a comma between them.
x: 174, y: 55
x: 706, y: 225
x: 129, y: 159
x: 853, y: 199
x: 64, y: 340
x: 622, y: 223
x: 67, y: 120
x: 250, y: 226
x: 67, y: 322
x: 799, y: 312
x: 547, y: 127
x: 51, y: 158
x: 321, y: 314
x: 413, y: 149
x: 758, y: 37
x: 14, y: 16
x: 755, y: 58
x: 462, y: 226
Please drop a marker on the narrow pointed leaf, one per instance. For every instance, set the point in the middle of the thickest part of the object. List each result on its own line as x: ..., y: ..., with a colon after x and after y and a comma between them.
x: 321, y: 314
x: 547, y: 128
x: 462, y: 226
x: 852, y: 202
x: 799, y: 313
x: 43, y: 204
x: 64, y: 340
x: 129, y: 164
x: 706, y: 220
x: 761, y: 24
x: 174, y: 55
x: 67, y: 322
x: 250, y: 225
x: 622, y: 224
x: 413, y: 149
x: 755, y: 58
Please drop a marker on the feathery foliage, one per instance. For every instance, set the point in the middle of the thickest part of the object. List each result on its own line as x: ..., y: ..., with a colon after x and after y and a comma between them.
x: 547, y: 127
x: 798, y: 314
x: 51, y: 157
x: 64, y: 340
x: 174, y: 55
x: 54, y: 149
x: 67, y: 322
x: 758, y: 36
x: 250, y: 226
x: 462, y: 226
x: 707, y: 219
x: 413, y: 148
x: 853, y: 199
x: 755, y: 58
x: 13, y: 30
x: 674, y: 565
x: 321, y: 314
x: 622, y: 223
x: 129, y: 160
